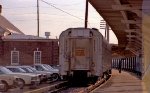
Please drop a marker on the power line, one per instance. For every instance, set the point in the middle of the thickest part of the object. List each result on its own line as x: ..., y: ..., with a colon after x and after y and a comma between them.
x: 18, y: 8
x: 46, y: 20
x: 61, y: 10
x: 67, y: 4
x: 75, y: 3
x: 34, y: 14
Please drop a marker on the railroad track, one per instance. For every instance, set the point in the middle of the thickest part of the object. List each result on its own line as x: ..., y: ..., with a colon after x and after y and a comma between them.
x: 92, y: 87
x: 72, y: 90
x: 53, y: 88
x: 84, y: 89
x: 64, y: 87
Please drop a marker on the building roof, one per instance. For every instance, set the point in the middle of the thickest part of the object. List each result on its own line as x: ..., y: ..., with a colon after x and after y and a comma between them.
x: 21, y: 37
x: 7, y: 26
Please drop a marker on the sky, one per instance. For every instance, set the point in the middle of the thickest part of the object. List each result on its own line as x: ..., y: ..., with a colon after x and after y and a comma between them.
x: 22, y: 13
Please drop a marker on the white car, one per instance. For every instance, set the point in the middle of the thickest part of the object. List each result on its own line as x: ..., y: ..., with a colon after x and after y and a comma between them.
x: 21, y: 69
x: 48, y: 74
x: 48, y: 68
x: 8, y: 81
x: 28, y: 69
x: 29, y: 79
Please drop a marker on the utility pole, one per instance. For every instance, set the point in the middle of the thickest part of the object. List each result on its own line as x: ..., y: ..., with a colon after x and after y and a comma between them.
x: 38, y: 21
x: 0, y: 9
x: 86, y: 14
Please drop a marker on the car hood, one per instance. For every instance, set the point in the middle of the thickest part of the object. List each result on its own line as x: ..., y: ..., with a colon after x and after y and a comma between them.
x: 24, y: 74
x: 44, y: 72
x: 54, y: 71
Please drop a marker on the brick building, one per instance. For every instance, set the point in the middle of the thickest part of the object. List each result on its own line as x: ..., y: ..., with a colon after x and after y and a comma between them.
x: 17, y: 49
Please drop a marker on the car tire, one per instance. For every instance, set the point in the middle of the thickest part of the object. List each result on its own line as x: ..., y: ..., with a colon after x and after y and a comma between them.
x: 22, y: 83
x: 5, y: 88
x: 55, y: 77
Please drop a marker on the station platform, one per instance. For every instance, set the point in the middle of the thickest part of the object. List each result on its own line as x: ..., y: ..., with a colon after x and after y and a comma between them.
x: 123, y: 82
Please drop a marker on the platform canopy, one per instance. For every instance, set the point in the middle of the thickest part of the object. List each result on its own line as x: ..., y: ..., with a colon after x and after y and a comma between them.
x: 124, y: 17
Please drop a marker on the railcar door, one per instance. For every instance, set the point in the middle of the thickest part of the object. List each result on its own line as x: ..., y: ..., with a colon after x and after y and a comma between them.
x: 81, y: 54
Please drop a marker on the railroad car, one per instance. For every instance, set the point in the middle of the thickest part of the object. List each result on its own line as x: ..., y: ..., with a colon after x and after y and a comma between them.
x: 84, y: 53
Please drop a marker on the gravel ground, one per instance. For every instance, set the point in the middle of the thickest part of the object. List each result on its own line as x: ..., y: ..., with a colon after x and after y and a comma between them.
x: 73, y: 90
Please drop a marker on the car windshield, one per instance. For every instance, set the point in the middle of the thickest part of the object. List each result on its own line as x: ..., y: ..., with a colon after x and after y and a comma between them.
x: 27, y: 70
x: 33, y: 69
x: 5, y: 70
x: 48, y: 67
x: 45, y: 68
x: 41, y: 68
x: 18, y: 70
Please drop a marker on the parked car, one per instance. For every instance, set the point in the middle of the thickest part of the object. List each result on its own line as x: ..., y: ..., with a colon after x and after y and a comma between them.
x: 44, y: 67
x: 42, y: 76
x: 21, y: 69
x: 48, y: 74
x: 7, y: 80
x: 55, y: 66
x: 29, y: 79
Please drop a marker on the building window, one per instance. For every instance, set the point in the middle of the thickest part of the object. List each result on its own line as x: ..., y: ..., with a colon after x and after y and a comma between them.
x: 37, y: 57
x: 14, y: 57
